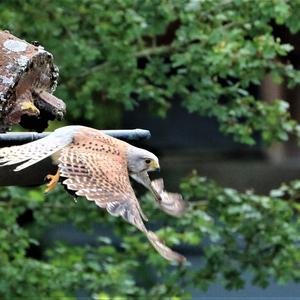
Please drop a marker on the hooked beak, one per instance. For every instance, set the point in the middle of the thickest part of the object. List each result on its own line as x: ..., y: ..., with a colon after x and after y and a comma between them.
x: 155, y: 166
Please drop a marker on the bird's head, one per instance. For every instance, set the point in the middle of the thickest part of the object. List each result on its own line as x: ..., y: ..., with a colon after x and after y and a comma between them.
x: 140, y: 160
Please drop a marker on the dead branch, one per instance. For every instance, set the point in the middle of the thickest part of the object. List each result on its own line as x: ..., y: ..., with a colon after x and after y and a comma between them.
x: 28, y: 77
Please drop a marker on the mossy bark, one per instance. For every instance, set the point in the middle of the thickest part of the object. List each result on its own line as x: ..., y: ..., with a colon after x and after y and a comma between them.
x: 28, y: 77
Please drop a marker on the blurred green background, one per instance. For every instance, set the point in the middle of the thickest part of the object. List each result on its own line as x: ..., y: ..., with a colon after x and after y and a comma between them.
x: 216, y: 83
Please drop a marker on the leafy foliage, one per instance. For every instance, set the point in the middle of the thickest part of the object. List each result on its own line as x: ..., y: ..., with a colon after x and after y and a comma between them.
x: 113, y: 55
x: 233, y: 231
x: 207, y: 53
x: 251, y: 232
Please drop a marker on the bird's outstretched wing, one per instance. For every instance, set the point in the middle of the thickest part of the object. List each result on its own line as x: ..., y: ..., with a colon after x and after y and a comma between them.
x: 95, y: 166
x: 32, y: 153
x: 171, y: 203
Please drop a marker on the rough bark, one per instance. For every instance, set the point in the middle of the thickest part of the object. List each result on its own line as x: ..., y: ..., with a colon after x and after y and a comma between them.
x: 28, y: 78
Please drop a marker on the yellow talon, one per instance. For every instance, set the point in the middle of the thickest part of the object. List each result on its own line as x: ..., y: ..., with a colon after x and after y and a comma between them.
x: 29, y: 106
x: 53, y: 181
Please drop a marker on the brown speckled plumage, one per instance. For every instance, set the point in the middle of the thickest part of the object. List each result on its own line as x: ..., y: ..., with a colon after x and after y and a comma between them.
x: 95, y: 166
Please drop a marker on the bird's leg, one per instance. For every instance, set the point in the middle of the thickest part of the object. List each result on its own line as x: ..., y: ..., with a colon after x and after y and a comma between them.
x: 53, y: 181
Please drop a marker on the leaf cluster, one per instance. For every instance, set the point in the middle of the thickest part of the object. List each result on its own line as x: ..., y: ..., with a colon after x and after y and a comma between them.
x: 112, y: 56
x: 230, y: 232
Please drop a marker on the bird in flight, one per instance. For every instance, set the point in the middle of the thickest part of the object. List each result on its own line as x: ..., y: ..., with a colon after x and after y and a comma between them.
x: 98, y: 167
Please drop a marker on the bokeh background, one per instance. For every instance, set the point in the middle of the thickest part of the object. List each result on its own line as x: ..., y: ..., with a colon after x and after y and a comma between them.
x: 216, y: 83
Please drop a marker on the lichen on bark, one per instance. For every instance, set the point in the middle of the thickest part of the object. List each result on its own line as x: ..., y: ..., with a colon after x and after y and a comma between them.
x: 28, y: 77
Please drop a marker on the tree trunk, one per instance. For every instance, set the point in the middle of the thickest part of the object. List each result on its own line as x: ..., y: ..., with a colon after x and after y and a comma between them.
x: 28, y: 78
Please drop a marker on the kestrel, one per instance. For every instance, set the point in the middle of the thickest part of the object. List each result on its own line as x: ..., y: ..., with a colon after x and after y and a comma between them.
x: 97, y: 167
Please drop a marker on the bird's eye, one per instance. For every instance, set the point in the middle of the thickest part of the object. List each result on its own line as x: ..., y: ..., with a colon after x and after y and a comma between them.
x: 147, y: 161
